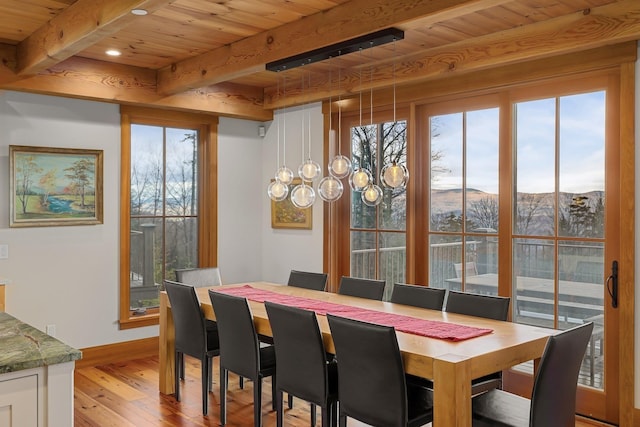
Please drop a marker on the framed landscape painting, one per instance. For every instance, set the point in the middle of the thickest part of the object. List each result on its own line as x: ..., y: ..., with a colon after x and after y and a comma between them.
x: 285, y: 215
x: 54, y: 186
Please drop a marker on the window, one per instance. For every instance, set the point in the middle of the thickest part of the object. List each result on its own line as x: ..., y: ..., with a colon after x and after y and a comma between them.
x: 558, y: 243
x: 164, y: 215
x: 164, y: 165
x: 378, y: 233
x: 463, y: 208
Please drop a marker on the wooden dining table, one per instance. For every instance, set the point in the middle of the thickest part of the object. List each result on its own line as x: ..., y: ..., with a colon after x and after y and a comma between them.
x: 451, y: 365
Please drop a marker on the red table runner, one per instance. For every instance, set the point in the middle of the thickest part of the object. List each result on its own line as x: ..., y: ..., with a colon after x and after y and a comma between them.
x: 411, y: 325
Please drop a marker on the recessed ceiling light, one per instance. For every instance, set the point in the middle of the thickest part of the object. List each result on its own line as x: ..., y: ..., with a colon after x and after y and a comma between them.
x: 113, y: 52
x: 139, y: 12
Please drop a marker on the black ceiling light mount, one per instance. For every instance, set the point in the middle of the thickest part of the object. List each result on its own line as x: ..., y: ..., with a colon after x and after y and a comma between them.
x: 367, y: 41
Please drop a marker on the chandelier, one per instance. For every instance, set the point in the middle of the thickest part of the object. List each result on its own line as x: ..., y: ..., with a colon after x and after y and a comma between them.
x: 330, y: 187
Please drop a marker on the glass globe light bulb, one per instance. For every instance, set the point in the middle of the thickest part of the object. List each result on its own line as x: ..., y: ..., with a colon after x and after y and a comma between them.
x: 359, y: 179
x: 340, y: 166
x: 394, y: 175
x: 330, y: 189
x: 277, y: 191
x: 309, y: 170
x: 303, y: 196
x: 372, y: 195
x: 285, y: 175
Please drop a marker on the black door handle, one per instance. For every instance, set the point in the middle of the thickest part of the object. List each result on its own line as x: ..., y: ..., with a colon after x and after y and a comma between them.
x: 612, y: 284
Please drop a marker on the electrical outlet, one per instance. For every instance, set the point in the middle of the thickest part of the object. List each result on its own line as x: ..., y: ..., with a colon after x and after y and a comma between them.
x: 4, y: 251
x: 51, y: 330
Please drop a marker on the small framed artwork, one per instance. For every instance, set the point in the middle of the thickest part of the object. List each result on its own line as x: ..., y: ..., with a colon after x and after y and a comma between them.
x: 54, y: 186
x: 285, y: 215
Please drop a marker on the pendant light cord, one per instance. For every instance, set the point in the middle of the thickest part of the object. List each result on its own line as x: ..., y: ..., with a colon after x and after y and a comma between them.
x: 309, y: 119
x: 339, y: 108
x: 284, y: 123
x: 371, y: 92
x: 394, y: 81
x: 278, y: 128
x: 303, y: 114
x: 331, y: 148
x: 360, y: 75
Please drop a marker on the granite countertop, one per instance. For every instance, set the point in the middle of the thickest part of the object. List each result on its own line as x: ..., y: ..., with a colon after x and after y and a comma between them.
x: 24, y: 347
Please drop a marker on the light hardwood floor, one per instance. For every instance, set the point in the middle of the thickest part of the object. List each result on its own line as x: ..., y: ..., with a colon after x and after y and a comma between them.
x: 126, y: 395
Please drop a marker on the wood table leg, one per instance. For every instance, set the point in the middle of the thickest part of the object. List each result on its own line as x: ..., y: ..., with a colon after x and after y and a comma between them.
x: 451, y: 391
x: 167, y: 347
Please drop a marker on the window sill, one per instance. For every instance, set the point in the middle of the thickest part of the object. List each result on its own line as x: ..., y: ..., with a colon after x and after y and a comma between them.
x: 140, y: 321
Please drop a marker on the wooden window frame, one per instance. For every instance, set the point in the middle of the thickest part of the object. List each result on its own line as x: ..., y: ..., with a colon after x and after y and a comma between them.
x: 207, y: 127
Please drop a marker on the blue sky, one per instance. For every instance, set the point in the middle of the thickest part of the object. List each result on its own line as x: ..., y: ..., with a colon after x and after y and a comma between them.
x: 580, y: 152
x: 147, y: 145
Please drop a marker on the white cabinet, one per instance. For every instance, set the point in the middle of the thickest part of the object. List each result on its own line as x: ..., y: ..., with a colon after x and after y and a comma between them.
x: 59, y: 395
x: 19, y: 397
x: 38, y: 397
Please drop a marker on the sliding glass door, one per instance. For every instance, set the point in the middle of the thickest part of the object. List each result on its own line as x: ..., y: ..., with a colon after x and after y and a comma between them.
x: 519, y: 204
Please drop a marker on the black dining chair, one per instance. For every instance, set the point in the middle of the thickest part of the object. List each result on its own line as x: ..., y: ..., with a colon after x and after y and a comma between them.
x: 489, y: 307
x: 418, y: 296
x: 308, y: 280
x: 201, y: 277
x: 371, y: 381
x: 303, y: 368
x: 191, y: 336
x: 553, y: 398
x: 241, y: 352
x: 362, y: 288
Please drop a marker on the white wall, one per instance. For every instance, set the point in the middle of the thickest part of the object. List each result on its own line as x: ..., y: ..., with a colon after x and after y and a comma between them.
x: 67, y: 276
x: 240, y: 200
x: 284, y: 249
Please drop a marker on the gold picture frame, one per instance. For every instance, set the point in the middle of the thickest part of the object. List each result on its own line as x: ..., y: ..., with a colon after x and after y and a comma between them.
x: 285, y: 215
x: 55, y: 186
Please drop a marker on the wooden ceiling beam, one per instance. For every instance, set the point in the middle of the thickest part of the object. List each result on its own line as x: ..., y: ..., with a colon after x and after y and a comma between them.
x: 79, y: 26
x: 108, y: 82
x: 343, y: 22
x: 603, y: 26
x: 7, y: 63
x: 223, y: 99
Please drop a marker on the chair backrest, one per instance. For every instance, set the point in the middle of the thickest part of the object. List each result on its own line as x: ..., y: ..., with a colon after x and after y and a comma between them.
x: 418, y: 296
x: 199, y: 277
x: 239, y: 346
x: 307, y: 280
x: 470, y: 269
x: 487, y: 306
x: 553, y: 399
x: 300, y: 352
x: 363, y: 288
x: 371, y: 383
x: 188, y: 319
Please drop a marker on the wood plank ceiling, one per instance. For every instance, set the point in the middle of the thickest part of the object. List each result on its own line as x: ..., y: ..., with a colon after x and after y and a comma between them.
x: 210, y: 55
